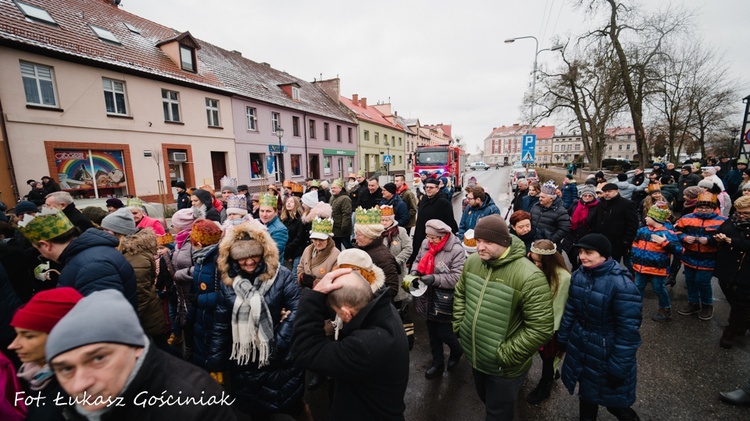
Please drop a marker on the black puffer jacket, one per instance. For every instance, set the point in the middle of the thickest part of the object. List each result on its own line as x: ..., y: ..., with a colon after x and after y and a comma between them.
x: 299, y: 237
x: 733, y: 261
x: 617, y: 219
x: 92, y: 263
x: 552, y: 223
x: 280, y: 384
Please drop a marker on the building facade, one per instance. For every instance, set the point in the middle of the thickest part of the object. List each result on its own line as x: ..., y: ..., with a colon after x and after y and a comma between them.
x: 504, y: 143
x: 565, y: 148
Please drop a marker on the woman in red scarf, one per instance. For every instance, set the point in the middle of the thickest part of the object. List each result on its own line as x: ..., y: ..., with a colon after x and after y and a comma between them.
x: 582, y: 221
x: 439, y: 264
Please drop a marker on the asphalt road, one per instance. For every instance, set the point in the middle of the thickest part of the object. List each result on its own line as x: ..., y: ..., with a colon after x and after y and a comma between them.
x: 681, y: 368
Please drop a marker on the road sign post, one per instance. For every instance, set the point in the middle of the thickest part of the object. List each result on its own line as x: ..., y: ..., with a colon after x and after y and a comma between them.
x: 528, y: 149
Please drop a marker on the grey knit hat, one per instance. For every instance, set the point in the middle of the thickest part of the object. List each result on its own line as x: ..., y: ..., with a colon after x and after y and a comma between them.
x: 587, y: 189
x: 493, y: 228
x: 229, y: 188
x: 120, y: 222
x: 105, y: 316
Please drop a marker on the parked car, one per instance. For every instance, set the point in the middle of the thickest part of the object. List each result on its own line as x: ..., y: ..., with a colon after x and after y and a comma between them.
x: 631, y: 175
x: 479, y: 165
x: 516, y: 174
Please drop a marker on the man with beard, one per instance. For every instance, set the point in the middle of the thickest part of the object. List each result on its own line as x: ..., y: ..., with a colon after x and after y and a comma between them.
x: 434, y: 205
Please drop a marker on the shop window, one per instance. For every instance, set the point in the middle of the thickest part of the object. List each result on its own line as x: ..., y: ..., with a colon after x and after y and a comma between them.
x: 256, y: 165
x: 91, y: 173
x: 327, y: 165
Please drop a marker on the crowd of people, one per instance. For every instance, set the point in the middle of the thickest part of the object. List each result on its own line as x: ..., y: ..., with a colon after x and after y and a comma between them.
x: 247, y: 300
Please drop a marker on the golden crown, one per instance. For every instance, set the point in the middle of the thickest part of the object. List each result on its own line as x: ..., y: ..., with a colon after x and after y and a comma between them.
x: 269, y: 200
x: 386, y: 210
x: 46, y: 225
x: 134, y: 202
x: 322, y: 226
x: 368, y: 217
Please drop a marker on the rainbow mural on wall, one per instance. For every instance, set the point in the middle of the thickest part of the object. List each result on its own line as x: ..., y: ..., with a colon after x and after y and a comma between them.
x: 76, y: 172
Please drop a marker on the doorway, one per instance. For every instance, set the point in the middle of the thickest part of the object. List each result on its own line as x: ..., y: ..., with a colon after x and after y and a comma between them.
x: 314, y: 170
x: 218, y: 167
x: 341, y: 168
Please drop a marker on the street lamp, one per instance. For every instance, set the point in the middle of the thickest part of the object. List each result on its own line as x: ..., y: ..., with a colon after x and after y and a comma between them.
x: 533, y: 74
x: 280, y: 156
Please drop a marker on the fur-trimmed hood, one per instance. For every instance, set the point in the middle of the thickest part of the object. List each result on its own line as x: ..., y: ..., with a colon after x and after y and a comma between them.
x: 143, y: 240
x: 241, y: 232
x: 320, y: 210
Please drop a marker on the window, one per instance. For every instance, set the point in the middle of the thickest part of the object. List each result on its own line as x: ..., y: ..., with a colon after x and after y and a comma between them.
x: 132, y: 28
x: 627, y: 146
x: 295, y: 93
x: 557, y: 148
x: 338, y: 133
x: 252, y: 119
x: 312, y: 129
x: 400, y: 159
x: 296, y: 168
x: 212, y: 112
x: 256, y: 165
x: 326, y: 131
x: 35, y: 13
x: 114, y: 97
x: 619, y: 147
x: 275, y: 121
x: 171, y: 102
x: 377, y: 138
x: 187, y: 58
x: 295, y: 126
x: 400, y: 141
x: 610, y: 147
x: 349, y: 134
x: 367, y: 135
x: 104, y: 34
x: 38, y: 84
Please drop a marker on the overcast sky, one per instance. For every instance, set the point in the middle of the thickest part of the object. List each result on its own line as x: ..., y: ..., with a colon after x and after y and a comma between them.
x: 442, y: 61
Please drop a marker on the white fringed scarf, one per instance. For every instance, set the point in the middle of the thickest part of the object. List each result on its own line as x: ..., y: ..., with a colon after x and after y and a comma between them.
x: 252, y: 325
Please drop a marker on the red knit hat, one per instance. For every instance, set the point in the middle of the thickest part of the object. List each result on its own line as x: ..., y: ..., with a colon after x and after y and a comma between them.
x: 45, y: 309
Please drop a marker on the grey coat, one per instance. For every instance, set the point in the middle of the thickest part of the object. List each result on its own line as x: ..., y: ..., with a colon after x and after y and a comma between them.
x: 449, y: 263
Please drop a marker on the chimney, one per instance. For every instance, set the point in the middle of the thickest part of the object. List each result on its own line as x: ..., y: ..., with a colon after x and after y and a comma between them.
x: 363, y: 102
x: 355, y: 99
x: 331, y: 88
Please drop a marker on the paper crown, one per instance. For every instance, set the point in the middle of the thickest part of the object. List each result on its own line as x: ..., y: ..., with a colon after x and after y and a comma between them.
x: 544, y: 252
x: 361, y: 173
x: 237, y: 202
x: 315, y: 183
x: 269, y: 200
x: 653, y: 188
x: 367, y: 217
x: 297, y: 188
x: 470, y: 243
x: 164, y: 240
x: 226, y: 181
x: 46, y: 225
x: 134, y: 202
x: 707, y: 199
x: 323, y: 227
x: 287, y: 183
x: 549, y: 188
x: 352, y: 175
x: 658, y: 214
x: 338, y: 182
x: 386, y: 210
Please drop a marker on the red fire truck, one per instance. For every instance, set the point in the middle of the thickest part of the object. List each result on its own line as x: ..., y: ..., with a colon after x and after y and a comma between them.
x: 448, y: 160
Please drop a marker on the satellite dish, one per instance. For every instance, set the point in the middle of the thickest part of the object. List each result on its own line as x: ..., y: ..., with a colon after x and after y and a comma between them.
x: 116, y: 2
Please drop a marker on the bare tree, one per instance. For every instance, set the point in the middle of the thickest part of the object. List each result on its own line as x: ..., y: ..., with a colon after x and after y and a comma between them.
x: 587, y: 90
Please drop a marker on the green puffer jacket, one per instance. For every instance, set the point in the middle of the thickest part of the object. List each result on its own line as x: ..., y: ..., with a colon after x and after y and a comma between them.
x: 502, y: 312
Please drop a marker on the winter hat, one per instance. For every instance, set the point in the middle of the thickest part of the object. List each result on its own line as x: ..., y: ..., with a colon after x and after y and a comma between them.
x: 95, y: 214
x: 549, y: 188
x: 120, y: 222
x: 205, y: 232
x: 104, y: 316
x: 493, y: 228
x: 599, y: 175
x: 390, y: 188
x: 437, y: 227
x: 116, y: 203
x: 229, y: 188
x: 362, y: 262
x: 373, y: 231
x: 667, y: 179
x: 432, y: 181
x: 255, y: 197
x: 310, y: 199
x: 242, y: 249
x: 610, y: 186
x: 692, y: 192
x: 183, y: 219
x: 687, y: 168
x: 590, y: 181
x: 659, y: 214
x: 569, y: 176
x: 707, y: 184
x: 204, y: 196
x: 181, y: 185
x: 25, y: 206
x: 587, y: 189
x: 596, y: 242
x: 709, y: 170
x: 241, y: 187
x: 707, y: 199
x: 622, y: 177
x: 45, y: 309
x: 325, y: 185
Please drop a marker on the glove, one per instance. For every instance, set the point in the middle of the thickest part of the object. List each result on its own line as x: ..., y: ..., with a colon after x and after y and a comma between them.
x: 415, y: 273
x: 218, y: 376
x: 428, y: 279
x: 561, y: 347
x: 613, y: 382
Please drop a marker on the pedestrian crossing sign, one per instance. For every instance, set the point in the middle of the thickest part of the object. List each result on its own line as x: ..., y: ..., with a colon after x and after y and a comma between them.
x: 528, y: 158
x: 387, y: 159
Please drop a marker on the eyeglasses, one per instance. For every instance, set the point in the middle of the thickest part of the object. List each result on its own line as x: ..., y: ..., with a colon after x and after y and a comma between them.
x: 430, y: 187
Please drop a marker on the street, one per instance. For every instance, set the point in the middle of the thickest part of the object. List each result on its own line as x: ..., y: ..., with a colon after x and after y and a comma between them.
x: 681, y: 368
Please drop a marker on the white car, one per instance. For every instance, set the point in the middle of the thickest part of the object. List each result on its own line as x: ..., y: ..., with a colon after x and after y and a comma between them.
x: 479, y: 165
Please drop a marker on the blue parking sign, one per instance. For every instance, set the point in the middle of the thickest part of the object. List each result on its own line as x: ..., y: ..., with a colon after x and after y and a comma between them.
x: 528, y: 149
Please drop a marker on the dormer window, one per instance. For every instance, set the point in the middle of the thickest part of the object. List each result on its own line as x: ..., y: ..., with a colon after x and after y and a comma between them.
x: 295, y: 93
x: 104, y: 34
x: 187, y: 58
x: 35, y: 13
x: 291, y: 89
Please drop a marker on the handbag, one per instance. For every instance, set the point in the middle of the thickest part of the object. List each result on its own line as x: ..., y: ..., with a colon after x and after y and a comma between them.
x: 440, y: 307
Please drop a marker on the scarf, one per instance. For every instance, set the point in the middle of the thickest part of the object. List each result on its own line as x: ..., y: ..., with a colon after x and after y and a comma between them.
x: 37, y: 376
x: 320, y: 257
x: 252, y: 325
x: 427, y: 264
x: 401, y: 189
x: 389, y: 233
x: 580, y: 214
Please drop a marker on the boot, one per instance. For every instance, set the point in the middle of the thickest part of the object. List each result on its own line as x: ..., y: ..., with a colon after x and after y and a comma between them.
x: 736, y: 397
x: 434, y: 371
x: 707, y: 312
x: 727, y: 338
x: 690, y: 308
x: 663, y: 315
x: 540, y: 393
x: 453, y: 360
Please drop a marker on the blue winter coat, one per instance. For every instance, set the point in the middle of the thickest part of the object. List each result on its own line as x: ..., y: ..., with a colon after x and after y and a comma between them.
x: 279, y: 233
x: 92, y: 263
x: 569, y: 194
x: 600, y: 327
x: 400, y: 210
x: 205, y: 280
x: 472, y: 215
